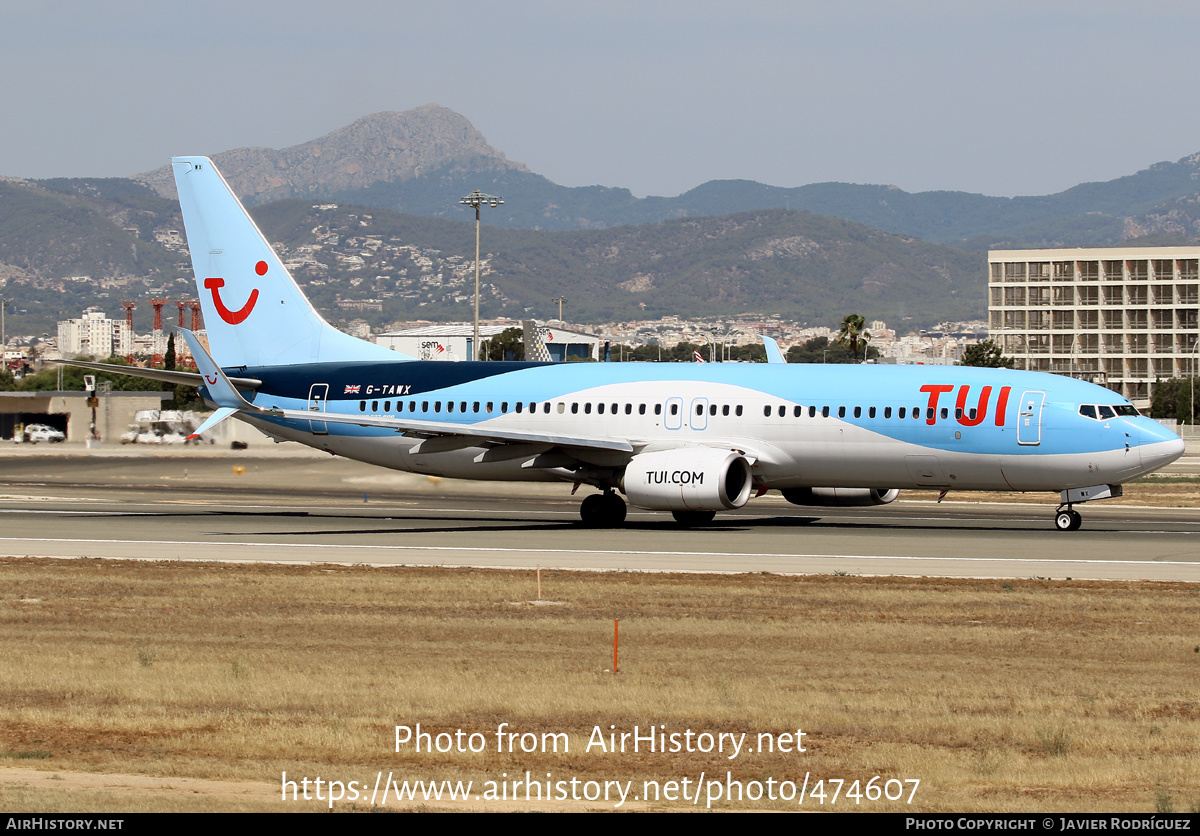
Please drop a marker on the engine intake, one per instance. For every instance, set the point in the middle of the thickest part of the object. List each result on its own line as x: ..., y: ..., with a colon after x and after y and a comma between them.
x: 840, y: 497
x: 688, y: 479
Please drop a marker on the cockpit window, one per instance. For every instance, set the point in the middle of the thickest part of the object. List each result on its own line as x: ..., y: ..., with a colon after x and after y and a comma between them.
x: 1103, y: 412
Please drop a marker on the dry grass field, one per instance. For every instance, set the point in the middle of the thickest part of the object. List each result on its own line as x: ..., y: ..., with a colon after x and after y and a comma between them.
x: 175, y: 686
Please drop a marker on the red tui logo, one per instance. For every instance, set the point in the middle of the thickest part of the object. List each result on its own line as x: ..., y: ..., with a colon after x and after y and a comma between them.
x: 234, y: 317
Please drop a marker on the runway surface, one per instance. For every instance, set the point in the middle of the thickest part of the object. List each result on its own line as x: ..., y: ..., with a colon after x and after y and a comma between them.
x: 311, y: 508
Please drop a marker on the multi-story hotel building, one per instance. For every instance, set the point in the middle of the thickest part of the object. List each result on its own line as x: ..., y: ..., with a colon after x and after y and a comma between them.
x: 1122, y: 317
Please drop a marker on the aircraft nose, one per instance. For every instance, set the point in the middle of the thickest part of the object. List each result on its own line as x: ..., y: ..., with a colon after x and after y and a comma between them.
x: 1157, y: 454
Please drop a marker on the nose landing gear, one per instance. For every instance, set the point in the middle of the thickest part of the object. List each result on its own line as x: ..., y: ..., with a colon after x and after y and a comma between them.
x: 1067, y: 519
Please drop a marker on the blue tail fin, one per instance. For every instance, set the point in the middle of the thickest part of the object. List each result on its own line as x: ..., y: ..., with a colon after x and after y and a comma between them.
x: 254, y: 313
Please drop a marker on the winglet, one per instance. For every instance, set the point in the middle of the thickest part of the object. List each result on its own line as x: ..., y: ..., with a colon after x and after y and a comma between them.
x: 774, y: 355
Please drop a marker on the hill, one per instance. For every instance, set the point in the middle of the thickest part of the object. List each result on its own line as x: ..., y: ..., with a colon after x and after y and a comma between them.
x: 421, y: 161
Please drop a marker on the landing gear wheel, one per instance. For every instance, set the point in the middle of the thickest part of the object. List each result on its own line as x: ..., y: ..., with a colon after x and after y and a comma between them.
x: 614, y: 509
x: 1068, y: 520
x: 602, y: 510
x: 687, y: 519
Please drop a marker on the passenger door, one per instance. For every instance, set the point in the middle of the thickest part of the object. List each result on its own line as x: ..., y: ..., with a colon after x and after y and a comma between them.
x: 1029, y: 419
x: 318, y: 394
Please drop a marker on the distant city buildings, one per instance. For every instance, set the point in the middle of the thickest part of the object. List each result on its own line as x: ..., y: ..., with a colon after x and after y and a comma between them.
x: 94, y: 334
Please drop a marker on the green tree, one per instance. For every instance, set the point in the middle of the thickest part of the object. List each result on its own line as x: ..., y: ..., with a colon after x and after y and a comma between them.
x: 509, y: 344
x: 854, y: 333
x: 1173, y: 398
x: 987, y: 355
x: 821, y: 350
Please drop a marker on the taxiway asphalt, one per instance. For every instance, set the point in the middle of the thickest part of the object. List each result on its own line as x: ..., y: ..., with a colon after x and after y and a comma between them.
x: 314, y: 508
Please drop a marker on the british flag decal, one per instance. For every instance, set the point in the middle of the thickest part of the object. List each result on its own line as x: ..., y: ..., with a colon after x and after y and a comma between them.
x: 352, y: 390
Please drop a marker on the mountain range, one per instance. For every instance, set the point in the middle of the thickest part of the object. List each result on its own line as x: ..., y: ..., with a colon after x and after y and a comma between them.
x: 726, y: 247
x: 420, y: 161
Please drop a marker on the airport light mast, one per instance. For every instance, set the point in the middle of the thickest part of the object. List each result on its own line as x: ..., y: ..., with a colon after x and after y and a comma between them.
x: 478, y: 199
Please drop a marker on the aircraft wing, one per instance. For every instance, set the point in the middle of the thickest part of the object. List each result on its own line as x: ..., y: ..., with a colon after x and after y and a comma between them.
x: 222, y: 390
x: 420, y: 429
x: 165, y: 375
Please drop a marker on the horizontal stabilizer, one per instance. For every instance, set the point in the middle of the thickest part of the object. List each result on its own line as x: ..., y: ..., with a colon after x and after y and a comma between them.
x: 214, y: 419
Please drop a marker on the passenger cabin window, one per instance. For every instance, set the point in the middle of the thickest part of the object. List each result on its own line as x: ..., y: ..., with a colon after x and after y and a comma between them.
x: 450, y: 406
x: 658, y: 409
x: 767, y: 411
x: 362, y: 406
x: 871, y: 412
x: 901, y: 413
x: 674, y: 409
x: 574, y: 409
x: 503, y: 407
x: 725, y: 410
x: 738, y: 411
x: 858, y: 412
x: 699, y: 409
x: 812, y: 412
x: 782, y: 410
x: 887, y: 412
x: 797, y: 411
x: 374, y: 406
x: 712, y: 410
x: 824, y: 412
x: 641, y: 409
x: 841, y: 412
x: 437, y: 406
x: 628, y: 409
x: 587, y: 408
x: 519, y: 404
x: 599, y: 409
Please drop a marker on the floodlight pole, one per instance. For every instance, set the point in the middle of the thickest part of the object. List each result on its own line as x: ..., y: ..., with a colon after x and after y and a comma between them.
x: 1192, y: 382
x: 478, y: 199
x: 561, y: 300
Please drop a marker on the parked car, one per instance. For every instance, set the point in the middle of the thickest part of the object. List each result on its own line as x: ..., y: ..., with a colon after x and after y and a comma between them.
x: 40, y: 432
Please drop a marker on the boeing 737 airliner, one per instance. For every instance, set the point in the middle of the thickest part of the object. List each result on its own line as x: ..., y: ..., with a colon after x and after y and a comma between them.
x: 692, y: 439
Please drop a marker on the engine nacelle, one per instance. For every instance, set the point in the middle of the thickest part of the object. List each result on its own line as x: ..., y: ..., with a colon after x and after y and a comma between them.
x: 688, y: 479
x: 841, y: 497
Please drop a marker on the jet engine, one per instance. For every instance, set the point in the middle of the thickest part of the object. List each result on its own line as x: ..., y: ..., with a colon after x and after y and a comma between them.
x: 842, y: 497
x: 688, y: 479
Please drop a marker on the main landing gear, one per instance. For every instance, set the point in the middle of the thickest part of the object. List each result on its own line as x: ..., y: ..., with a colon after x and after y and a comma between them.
x: 687, y: 519
x: 602, y: 510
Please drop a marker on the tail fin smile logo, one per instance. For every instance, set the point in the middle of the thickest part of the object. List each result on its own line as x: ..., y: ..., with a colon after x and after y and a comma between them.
x: 234, y: 317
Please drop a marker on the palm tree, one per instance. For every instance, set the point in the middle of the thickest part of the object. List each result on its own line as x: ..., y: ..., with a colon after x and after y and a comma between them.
x: 854, y: 333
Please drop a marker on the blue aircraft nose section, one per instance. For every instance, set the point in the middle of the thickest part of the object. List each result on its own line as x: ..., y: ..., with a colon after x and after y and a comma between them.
x: 1158, y: 445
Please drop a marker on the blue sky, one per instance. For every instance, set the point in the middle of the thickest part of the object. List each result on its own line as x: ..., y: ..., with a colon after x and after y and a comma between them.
x: 1001, y: 98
